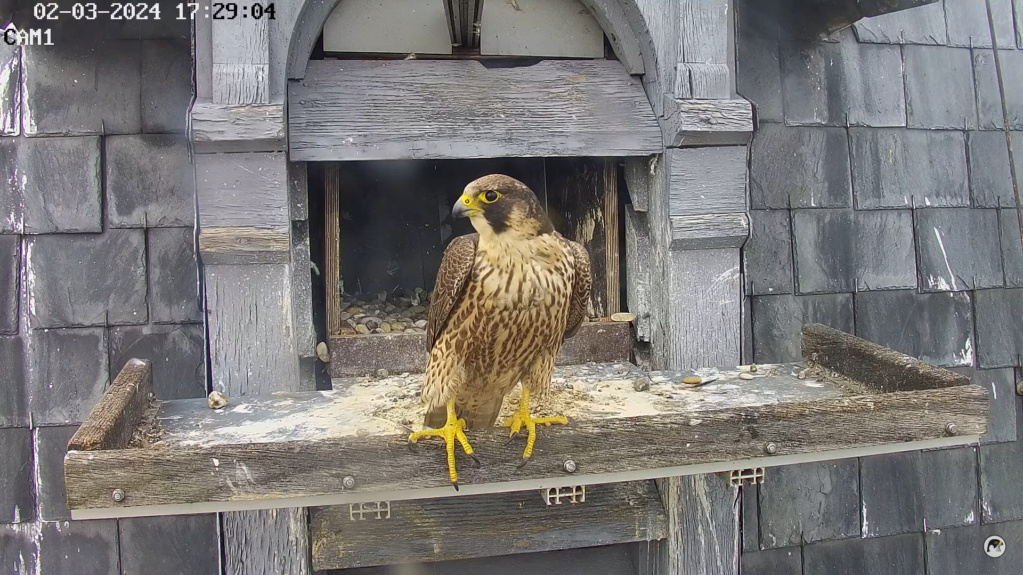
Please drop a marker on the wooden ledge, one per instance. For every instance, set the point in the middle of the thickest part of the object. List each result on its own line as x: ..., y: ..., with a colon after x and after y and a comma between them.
x: 238, y: 128
x: 349, y: 445
x: 707, y: 122
x: 710, y: 231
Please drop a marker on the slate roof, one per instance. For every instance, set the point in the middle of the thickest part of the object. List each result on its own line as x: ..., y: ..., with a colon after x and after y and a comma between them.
x: 882, y: 204
x: 96, y: 266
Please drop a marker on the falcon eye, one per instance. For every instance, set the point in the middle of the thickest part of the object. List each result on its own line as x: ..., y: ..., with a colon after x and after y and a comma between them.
x: 490, y: 197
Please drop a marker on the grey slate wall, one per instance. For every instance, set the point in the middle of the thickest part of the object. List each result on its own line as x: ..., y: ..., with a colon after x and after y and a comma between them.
x: 881, y: 205
x: 96, y: 266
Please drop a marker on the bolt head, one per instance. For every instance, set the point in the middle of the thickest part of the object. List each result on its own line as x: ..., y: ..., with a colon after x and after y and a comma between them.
x: 570, y: 466
x: 348, y: 482
x: 771, y: 448
x: 117, y: 495
x: 951, y: 429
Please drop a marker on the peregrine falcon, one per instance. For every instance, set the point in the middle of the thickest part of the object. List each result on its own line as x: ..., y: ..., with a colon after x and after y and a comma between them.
x: 505, y: 299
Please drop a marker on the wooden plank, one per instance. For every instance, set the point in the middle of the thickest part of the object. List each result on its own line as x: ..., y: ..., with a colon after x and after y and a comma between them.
x: 375, y: 110
x: 308, y: 455
x: 612, y: 19
x: 353, y: 355
x: 642, y: 181
x: 298, y: 190
x: 112, y: 422
x: 231, y: 128
x: 707, y: 122
x: 540, y: 28
x: 703, y: 526
x: 638, y: 259
x: 706, y: 81
x: 612, y: 240
x: 709, y: 231
x: 703, y: 49
x: 878, y: 367
x: 306, y: 32
x: 501, y: 524
x: 706, y: 180
x: 245, y: 245
x: 242, y: 190
x: 662, y: 19
x: 241, y: 60
x: 332, y: 246
x: 203, y: 40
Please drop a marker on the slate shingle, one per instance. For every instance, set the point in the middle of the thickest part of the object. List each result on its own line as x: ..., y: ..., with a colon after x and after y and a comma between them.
x: 67, y: 371
x: 768, y: 253
x: 12, y: 203
x: 173, y: 276
x: 18, y: 548
x: 17, y: 502
x: 800, y: 167
x: 166, y: 85
x: 989, y: 102
x: 13, y: 408
x: 1012, y: 249
x: 169, y: 545
x: 939, y: 88
x: 10, y: 263
x: 68, y: 546
x: 149, y: 181
x: 778, y: 321
x: 936, y: 328
x: 750, y: 519
x: 842, y: 83
x: 958, y: 249
x: 50, y: 448
x: 783, y: 561
x: 990, y: 180
x: 179, y: 368
x: 10, y: 91
x: 968, y: 23
x: 897, y: 555
x: 1005, y: 404
x: 87, y: 279
x: 921, y: 25
x: 959, y: 551
x: 61, y: 184
x: 999, y: 327
x: 83, y: 87
x: 846, y: 250
x: 937, y: 488
x: 1001, y: 483
x: 758, y: 72
x: 809, y: 502
x: 892, y: 168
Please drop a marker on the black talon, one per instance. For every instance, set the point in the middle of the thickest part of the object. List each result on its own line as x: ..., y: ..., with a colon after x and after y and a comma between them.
x: 511, y: 438
x: 455, y: 485
x: 413, y: 447
x: 476, y: 459
x: 522, y: 463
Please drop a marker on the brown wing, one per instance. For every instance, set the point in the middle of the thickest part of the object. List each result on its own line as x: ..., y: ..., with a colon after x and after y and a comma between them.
x: 580, y: 289
x: 455, y: 270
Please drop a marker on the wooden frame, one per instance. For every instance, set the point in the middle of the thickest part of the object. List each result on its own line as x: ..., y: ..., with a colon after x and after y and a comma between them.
x: 864, y: 399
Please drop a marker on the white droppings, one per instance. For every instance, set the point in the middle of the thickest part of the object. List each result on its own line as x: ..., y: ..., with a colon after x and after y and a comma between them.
x: 216, y: 462
x: 944, y: 254
x: 966, y: 355
x: 938, y: 283
x: 866, y: 525
x: 970, y: 518
x: 243, y: 408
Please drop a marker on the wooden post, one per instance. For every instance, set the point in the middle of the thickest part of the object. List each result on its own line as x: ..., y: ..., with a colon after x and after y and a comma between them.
x: 332, y: 246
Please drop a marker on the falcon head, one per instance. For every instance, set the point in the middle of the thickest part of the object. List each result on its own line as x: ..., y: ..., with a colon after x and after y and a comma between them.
x: 500, y: 204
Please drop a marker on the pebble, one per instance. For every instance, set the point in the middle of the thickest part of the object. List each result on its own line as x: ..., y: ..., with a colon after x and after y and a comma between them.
x: 322, y: 352
x: 385, y: 327
x: 383, y: 373
x: 216, y: 400
x: 398, y: 327
x: 625, y: 317
x: 641, y: 384
x: 361, y: 328
x: 420, y: 323
x: 692, y: 380
x: 382, y: 296
x: 745, y: 375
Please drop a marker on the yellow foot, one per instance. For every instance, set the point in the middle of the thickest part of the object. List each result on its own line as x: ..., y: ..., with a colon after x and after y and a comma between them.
x: 521, y: 418
x: 451, y: 431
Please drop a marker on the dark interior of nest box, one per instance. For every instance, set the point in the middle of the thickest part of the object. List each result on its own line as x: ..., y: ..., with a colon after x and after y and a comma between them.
x: 378, y: 231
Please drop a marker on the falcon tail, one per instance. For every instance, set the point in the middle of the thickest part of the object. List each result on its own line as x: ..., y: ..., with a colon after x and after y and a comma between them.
x: 484, y: 416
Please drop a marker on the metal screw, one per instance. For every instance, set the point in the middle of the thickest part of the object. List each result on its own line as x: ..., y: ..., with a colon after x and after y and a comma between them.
x: 570, y: 466
x: 951, y: 428
x: 771, y: 448
x: 117, y: 495
x: 348, y: 482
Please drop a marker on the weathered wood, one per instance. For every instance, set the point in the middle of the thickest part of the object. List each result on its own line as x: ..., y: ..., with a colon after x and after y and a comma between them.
x: 623, y: 38
x: 641, y: 181
x: 709, y: 231
x: 298, y: 190
x: 702, y: 72
x: 251, y: 331
x: 266, y: 542
x: 612, y: 240
x: 332, y: 246
x: 203, y: 42
x: 703, y: 526
x: 306, y: 32
x: 298, y: 448
x: 245, y: 245
x: 499, y: 524
x: 708, y: 180
x: 242, y: 190
x: 374, y: 110
x: 111, y: 423
x: 880, y: 368
x: 233, y: 128
x: 241, y: 61
x: 662, y: 19
x: 638, y: 259
x: 352, y: 355
x: 706, y: 81
x: 707, y: 122
x: 540, y: 28
x: 302, y: 298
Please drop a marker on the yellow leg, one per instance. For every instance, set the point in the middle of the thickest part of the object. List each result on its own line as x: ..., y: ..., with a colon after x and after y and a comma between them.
x: 451, y: 431
x: 522, y: 418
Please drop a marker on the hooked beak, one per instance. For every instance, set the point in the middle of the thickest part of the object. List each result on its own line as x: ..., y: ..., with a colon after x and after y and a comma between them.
x: 464, y: 207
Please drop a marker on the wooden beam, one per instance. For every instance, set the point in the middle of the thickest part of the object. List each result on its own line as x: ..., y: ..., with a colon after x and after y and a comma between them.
x: 709, y: 180
x: 709, y: 231
x: 500, y: 524
x: 238, y: 128
x: 243, y: 190
x: 702, y: 72
x: 423, y: 109
x: 612, y: 19
x: 878, y: 367
x: 332, y: 247
x: 703, y: 526
x: 707, y: 122
x: 241, y: 61
x: 245, y: 245
x: 638, y: 263
x: 354, y: 355
x: 112, y: 422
